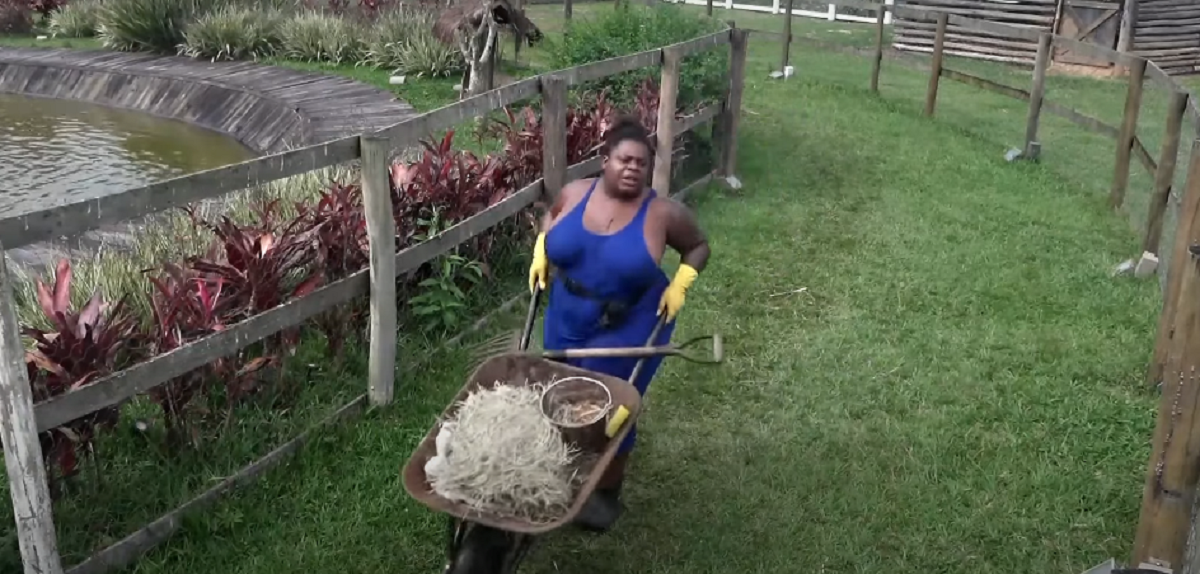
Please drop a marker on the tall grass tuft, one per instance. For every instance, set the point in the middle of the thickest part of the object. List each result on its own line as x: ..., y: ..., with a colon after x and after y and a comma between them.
x: 78, y: 19
x: 402, y: 40
x: 233, y: 33
x: 148, y: 25
x: 316, y: 37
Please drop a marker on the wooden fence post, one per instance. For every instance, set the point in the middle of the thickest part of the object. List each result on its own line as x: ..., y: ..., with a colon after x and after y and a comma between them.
x: 731, y: 115
x: 708, y: 8
x: 30, y: 492
x: 381, y: 231
x: 1133, y: 104
x: 668, y: 95
x: 567, y: 10
x: 935, y: 70
x: 1037, y: 93
x: 877, y: 62
x: 1164, y: 174
x: 554, y: 139
x: 1186, y: 233
x: 787, y: 35
x: 1174, y: 466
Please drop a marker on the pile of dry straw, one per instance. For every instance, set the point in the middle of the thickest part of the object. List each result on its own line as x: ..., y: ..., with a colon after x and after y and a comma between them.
x: 501, y: 456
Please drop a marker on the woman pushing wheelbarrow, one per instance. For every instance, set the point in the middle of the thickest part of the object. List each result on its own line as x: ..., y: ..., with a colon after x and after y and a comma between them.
x: 606, y: 238
x: 609, y: 318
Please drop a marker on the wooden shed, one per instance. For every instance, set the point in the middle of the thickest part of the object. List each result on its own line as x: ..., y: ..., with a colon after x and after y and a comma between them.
x: 1165, y: 31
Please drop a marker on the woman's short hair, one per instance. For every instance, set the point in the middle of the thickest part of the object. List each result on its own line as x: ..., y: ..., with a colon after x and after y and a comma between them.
x: 626, y: 128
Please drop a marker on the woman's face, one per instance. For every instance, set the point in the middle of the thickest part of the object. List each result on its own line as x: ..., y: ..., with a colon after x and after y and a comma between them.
x: 626, y: 168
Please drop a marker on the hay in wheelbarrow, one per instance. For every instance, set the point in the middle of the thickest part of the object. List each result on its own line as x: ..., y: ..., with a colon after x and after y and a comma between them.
x: 501, y: 455
x: 519, y: 369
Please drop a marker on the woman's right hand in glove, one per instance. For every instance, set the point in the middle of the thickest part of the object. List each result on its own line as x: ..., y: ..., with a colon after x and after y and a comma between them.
x: 540, y: 268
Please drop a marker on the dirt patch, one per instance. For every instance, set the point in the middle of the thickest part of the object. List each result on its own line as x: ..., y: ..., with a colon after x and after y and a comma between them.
x: 1061, y: 69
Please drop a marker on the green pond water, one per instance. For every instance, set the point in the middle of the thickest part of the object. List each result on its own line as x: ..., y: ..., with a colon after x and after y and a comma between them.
x: 56, y: 151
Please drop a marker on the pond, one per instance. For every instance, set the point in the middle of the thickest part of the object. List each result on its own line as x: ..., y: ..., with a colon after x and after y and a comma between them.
x: 53, y: 151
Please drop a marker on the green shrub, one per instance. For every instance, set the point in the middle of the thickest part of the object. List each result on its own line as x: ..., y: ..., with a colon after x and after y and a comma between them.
x: 317, y: 37
x: 148, y: 25
x: 628, y: 29
x: 402, y: 40
x: 78, y: 19
x: 232, y: 33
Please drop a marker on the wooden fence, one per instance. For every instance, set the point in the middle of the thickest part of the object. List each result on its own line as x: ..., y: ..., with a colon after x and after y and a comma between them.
x: 21, y: 420
x: 781, y: 6
x: 1005, y: 44
x: 1168, y: 32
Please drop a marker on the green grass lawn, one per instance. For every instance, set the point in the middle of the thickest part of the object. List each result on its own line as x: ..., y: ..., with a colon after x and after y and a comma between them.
x: 928, y: 365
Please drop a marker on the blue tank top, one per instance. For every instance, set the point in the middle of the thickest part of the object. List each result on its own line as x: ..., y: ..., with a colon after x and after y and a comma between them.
x: 615, y: 267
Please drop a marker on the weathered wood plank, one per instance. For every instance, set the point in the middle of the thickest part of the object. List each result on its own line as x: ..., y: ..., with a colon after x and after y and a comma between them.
x: 665, y: 126
x: 986, y: 84
x: 935, y: 72
x: 78, y: 217
x: 1128, y: 133
x: 732, y: 112
x: 1187, y: 233
x: 1088, y: 122
x: 1037, y: 94
x: 611, y: 66
x: 381, y: 233
x: 1164, y: 175
x: 420, y: 254
x: 697, y: 119
x: 22, y: 451
x: 409, y: 132
x: 554, y: 138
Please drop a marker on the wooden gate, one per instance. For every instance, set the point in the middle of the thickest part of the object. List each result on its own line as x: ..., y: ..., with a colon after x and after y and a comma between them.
x: 1091, y: 21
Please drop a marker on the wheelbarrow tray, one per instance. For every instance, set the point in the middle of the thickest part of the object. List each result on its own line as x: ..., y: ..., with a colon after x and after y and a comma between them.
x: 518, y: 369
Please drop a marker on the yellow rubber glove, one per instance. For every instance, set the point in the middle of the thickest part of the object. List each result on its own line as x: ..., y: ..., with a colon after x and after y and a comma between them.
x: 672, y: 298
x: 539, y: 269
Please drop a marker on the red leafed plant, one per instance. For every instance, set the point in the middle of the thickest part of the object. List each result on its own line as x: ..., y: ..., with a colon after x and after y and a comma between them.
x: 83, y: 346
x: 586, y: 127
x: 444, y: 184
x: 262, y: 264
x: 646, y: 104
x: 340, y: 230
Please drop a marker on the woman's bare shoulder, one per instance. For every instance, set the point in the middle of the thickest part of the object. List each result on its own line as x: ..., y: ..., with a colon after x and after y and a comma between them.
x: 569, y: 197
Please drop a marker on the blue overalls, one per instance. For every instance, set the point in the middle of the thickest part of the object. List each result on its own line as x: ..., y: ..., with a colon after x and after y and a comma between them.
x: 605, y: 293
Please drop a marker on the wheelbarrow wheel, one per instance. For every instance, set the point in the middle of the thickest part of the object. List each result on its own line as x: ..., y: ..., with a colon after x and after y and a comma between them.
x: 485, y: 550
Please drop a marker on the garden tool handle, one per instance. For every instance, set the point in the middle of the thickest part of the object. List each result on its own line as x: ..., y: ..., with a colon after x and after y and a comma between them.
x: 637, y: 369
x: 530, y: 318
x: 643, y: 352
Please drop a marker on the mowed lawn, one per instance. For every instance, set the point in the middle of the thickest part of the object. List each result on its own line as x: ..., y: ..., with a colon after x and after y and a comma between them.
x: 929, y: 369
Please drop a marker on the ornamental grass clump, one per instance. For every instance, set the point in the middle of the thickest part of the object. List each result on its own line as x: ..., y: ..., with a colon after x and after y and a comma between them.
x: 501, y: 456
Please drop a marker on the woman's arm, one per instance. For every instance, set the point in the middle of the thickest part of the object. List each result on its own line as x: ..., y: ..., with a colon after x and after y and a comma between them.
x: 685, y: 236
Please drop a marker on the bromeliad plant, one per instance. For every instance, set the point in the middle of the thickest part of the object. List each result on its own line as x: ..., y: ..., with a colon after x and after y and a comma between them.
x: 83, y: 346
